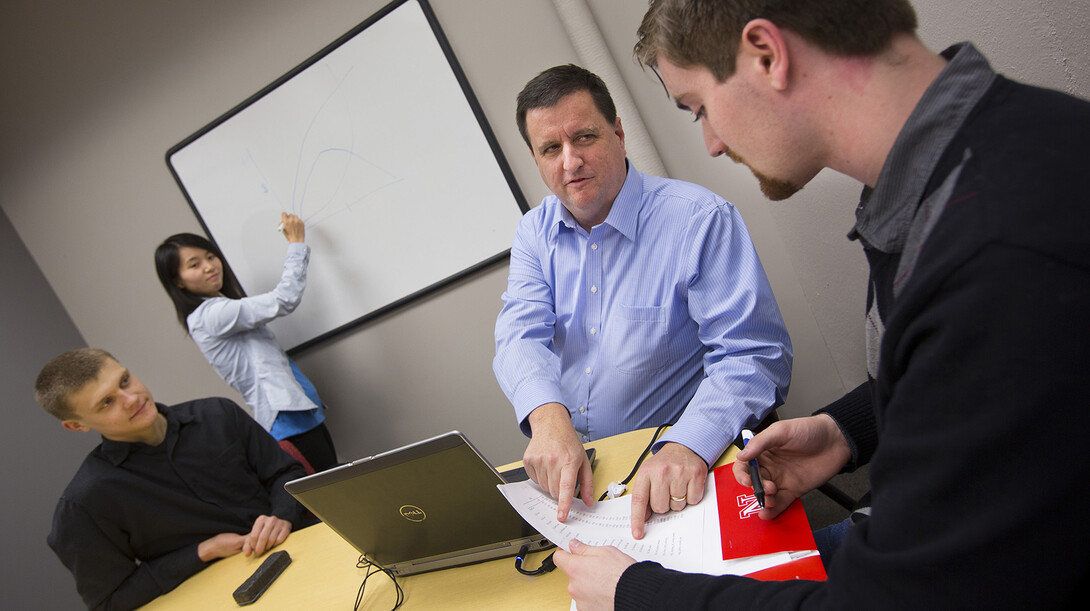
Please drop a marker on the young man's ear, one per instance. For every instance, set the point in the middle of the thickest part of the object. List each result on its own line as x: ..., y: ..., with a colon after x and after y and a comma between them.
x: 75, y: 425
x: 764, y: 49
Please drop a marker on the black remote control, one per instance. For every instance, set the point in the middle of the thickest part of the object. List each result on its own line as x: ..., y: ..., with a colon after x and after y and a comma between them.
x: 255, y: 586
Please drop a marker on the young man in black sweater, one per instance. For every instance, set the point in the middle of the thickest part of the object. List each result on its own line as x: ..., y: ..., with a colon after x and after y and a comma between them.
x: 974, y: 222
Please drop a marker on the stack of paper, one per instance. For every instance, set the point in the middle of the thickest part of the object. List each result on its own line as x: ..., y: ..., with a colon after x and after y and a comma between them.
x: 721, y: 535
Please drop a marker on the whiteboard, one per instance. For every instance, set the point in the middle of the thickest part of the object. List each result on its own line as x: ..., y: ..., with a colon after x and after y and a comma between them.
x: 379, y: 145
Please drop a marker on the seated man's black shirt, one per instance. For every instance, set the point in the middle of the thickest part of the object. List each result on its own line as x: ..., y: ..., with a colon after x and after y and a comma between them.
x: 129, y: 523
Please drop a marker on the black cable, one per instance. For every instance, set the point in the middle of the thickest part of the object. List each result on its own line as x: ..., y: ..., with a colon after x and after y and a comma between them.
x: 639, y: 461
x: 546, y: 564
x: 374, y: 569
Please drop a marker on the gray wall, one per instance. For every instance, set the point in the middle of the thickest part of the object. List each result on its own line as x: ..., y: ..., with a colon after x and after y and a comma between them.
x: 38, y: 455
x: 96, y: 92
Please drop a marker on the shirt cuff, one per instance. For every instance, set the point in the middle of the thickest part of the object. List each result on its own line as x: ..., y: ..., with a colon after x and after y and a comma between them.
x: 704, y: 439
x: 854, y: 415
x: 531, y: 395
x: 175, y: 567
x: 638, y: 585
x: 298, y: 248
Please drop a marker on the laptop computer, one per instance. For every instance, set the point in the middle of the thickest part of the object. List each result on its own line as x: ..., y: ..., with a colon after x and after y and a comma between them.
x: 426, y: 506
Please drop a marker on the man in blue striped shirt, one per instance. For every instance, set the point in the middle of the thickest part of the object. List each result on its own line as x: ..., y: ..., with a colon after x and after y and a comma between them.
x: 632, y: 301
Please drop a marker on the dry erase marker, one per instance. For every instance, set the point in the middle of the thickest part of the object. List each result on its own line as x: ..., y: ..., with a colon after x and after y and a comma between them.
x: 754, y: 471
x: 280, y: 227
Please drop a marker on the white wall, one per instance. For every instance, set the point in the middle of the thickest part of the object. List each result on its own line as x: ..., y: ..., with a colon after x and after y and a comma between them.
x: 96, y: 92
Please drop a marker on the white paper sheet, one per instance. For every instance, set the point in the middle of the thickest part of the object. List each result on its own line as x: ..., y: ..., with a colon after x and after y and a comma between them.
x: 686, y: 540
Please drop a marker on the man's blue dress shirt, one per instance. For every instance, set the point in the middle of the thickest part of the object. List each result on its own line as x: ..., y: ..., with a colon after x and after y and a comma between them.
x: 663, y: 310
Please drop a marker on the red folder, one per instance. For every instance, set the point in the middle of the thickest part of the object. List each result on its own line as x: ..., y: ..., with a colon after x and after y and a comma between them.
x: 809, y: 567
x: 744, y: 534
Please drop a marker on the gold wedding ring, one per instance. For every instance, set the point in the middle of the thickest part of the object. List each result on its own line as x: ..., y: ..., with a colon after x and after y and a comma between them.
x: 677, y: 499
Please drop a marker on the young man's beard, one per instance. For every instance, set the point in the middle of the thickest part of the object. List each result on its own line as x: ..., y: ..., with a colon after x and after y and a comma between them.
x: 775, y: 189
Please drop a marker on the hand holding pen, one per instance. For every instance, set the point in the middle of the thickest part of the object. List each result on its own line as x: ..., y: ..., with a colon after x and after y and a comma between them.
x: 292, y: 227
x: 795, y: 456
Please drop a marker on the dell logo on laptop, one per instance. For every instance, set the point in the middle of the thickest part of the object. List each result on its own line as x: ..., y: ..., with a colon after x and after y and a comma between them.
x: 413, y: 513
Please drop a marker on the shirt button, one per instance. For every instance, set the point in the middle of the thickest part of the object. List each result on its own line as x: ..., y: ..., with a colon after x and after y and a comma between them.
x: 594, y: 289
x: 585, y: 439
x: 594, y: 247
x: 582, y: 410
x: 588, y: 369
x: 593, y: 330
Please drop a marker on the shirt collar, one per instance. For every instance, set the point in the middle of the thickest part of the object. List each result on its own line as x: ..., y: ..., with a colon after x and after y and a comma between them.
x: 117, y: 451
x: 624, y: 214
x: 885, y: 212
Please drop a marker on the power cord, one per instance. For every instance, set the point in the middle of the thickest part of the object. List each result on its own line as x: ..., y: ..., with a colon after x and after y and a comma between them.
x: 374, y: 569
x: 619, y: 488
x: 546, y: 564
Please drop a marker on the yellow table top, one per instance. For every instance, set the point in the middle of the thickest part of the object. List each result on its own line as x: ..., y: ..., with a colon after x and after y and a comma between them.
x: 323, y: 573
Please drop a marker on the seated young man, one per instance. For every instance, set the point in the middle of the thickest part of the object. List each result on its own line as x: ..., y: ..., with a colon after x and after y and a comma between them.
x: 169, y: 489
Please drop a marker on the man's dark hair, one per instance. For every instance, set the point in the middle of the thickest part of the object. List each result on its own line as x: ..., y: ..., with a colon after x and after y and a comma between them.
x: 707, y: 33
x: 66, y: 374
x: 167, y: 263
x: 546, y: 89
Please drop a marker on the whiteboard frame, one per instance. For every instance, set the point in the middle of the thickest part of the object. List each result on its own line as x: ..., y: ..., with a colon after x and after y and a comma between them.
x: 478, y: 113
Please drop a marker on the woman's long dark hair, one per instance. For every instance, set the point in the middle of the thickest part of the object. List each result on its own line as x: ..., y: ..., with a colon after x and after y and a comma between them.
x: 167, y: 263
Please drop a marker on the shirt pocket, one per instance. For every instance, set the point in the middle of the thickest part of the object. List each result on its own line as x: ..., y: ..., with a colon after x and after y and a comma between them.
x: 232, y: 483
x: 639, y: 340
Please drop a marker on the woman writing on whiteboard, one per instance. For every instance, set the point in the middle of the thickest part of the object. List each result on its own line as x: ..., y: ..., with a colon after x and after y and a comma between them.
x: 230, y: 329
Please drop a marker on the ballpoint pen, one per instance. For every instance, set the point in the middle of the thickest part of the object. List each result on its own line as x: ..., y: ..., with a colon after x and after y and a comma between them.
x: 754, y: 471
